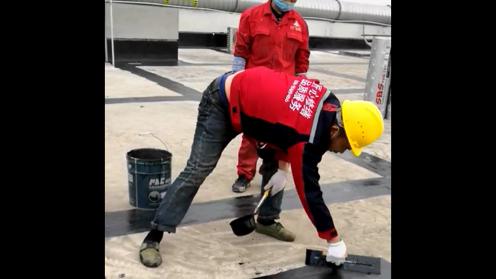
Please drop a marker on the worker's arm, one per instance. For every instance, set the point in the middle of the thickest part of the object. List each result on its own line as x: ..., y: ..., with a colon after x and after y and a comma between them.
x: 304, y: 159
x: 302, y: 53
x: 242, y: 46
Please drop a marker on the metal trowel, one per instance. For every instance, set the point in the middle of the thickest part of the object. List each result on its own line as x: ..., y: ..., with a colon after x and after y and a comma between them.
x: 354, y: 263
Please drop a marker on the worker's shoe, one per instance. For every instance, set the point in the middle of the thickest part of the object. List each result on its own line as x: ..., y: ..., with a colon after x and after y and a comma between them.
x: 150, y: 254
x: 241, y: 184
x: 276, y: 230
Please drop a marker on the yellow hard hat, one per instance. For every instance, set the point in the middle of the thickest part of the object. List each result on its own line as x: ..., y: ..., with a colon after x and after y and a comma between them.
x: 362, y: 122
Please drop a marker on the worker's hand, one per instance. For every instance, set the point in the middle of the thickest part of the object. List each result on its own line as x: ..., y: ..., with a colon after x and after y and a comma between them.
x: 278, y: 181
x: 238, y: 63
x: 337, y: 252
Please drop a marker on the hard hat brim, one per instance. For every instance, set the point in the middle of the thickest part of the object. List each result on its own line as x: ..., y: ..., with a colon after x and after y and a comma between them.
x: 356, y: 151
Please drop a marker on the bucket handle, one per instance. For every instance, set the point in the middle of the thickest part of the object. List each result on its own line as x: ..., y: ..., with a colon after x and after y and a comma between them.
x: 151, y: 134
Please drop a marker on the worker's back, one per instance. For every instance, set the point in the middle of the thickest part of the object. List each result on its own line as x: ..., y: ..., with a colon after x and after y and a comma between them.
x: 277, y: 107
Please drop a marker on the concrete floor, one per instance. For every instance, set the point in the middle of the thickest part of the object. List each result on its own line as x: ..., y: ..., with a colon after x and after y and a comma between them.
x: 209, y: 249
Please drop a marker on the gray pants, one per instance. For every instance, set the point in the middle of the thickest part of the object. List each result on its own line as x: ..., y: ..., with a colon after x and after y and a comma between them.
x: 213, y: 133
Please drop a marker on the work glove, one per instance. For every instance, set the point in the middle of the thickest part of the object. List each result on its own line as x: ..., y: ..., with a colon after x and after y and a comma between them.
x: 337, y: 253
x: 278, y: 181
x: 238, y: 63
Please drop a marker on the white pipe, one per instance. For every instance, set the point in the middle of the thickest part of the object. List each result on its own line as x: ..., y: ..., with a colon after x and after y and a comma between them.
x: 348, y: 21
x: 160, y: 3
x: 112, y: 33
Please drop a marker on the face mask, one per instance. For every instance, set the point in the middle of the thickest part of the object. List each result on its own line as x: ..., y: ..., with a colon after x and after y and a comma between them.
x: 284, y: 6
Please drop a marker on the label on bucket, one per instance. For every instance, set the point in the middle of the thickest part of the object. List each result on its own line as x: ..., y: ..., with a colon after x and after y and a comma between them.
x: 154, y: 197
x: 146, y: 191
x: 158, y: 183
x: 156, y: 186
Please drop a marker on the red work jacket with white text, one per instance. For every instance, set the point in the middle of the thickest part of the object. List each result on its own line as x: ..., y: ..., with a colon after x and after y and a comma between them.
x: 262, y: 41
x: 294, y: 114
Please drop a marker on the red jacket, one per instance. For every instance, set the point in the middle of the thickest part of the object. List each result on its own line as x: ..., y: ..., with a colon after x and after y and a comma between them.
x: 294, y: 114
x: 262, y: 41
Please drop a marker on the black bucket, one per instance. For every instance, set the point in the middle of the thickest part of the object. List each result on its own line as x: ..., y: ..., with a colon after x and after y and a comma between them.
x: 149, y: 175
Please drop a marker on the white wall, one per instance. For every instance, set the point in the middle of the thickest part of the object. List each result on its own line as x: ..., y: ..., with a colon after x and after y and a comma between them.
x: 142, y: 22
x: 203, y: 21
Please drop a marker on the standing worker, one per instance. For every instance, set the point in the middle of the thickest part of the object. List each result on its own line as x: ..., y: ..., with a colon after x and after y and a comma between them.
x: 273, y: 35
x: 298, y: 116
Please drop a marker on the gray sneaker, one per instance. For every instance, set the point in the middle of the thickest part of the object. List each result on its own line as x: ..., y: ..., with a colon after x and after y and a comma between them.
x: 241, y: 184
x: 150, y: 254
x: 277, y: 231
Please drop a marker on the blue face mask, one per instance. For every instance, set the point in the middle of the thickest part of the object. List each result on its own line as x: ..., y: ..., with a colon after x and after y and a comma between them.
x: 283, y: 6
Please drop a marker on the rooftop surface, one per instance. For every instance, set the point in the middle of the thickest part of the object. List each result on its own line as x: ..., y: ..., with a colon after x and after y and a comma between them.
x: 156, y: 107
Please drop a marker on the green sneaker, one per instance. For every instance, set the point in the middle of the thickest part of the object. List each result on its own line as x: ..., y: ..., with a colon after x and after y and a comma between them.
x: 277, y: 231
x: 150, y: 254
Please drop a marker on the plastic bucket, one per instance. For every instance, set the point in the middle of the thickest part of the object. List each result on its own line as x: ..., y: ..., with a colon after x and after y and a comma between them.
x: 149, y: 175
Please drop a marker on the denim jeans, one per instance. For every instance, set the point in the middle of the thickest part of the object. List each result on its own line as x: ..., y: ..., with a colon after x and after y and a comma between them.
x: 213, y: 133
